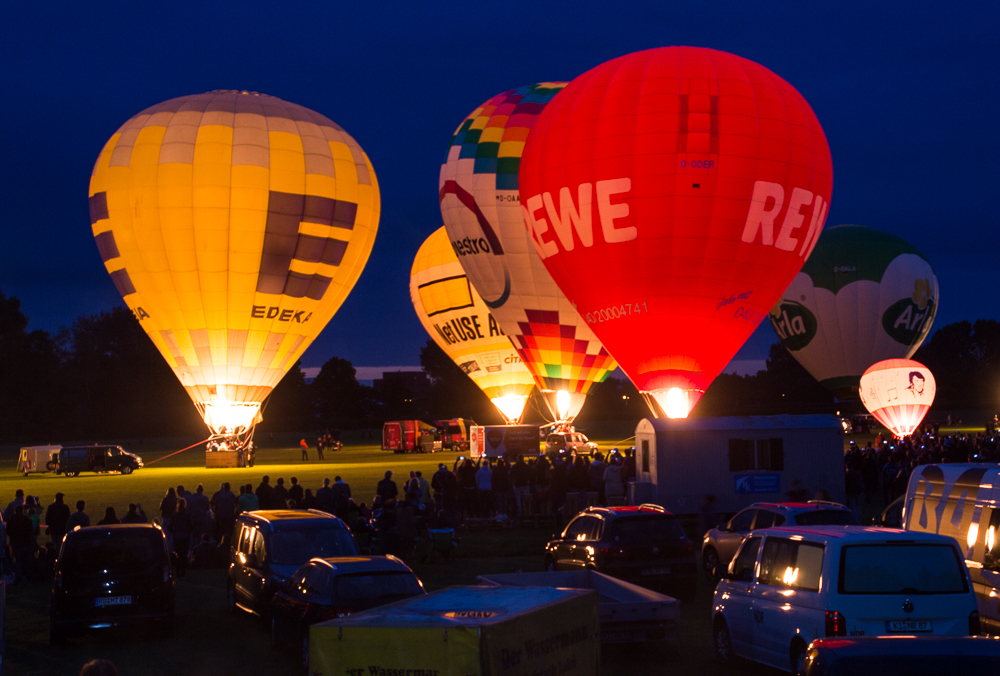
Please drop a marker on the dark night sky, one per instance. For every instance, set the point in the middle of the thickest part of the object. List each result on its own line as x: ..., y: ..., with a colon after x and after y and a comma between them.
x: 907, y: 93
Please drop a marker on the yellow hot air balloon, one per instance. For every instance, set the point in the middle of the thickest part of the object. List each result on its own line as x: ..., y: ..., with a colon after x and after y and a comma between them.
x: 233, y: 224
x: 458, y: 320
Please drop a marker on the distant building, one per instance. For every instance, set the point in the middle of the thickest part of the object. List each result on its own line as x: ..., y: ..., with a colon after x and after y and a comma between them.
x: 415, y: 382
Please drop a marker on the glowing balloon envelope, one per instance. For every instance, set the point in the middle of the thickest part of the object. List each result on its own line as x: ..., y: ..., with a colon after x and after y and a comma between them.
x: 460, y: 323
x: 898, y: 392
x: 233, y: 224
x: 482, y: 214
x: 673, y: 194
x: 863, y: 296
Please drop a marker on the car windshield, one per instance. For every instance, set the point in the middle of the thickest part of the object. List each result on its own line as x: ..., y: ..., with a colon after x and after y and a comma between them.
x: 901, y: 569
x: 382, y: 587
x: 827, y: 517
x: 115, y: 551
x: 295, y: 547
x: 637, y: 531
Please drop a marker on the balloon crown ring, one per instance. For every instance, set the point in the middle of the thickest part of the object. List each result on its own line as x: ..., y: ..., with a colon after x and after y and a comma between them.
x: 244, y: 92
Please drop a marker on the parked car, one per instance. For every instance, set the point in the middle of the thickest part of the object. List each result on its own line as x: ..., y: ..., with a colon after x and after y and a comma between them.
x: 645, y: 545
x: 112, y: 576
x: 335, y: 587
x: 902, y: 656
x: 720, y: 543
x: 789, y: 586
x: 75, y: 459
x: 569, y: 442
x: 268, y: 546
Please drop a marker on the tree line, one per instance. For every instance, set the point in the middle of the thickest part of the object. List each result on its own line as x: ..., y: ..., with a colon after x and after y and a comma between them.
x: 102, y: 378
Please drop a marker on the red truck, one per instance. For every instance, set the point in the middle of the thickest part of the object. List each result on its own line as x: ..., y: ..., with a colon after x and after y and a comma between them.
x: 410, y: 436
x: 455, y: 433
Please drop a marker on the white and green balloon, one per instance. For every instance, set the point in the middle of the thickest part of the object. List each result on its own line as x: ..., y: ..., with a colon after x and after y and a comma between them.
x: 863, y: 296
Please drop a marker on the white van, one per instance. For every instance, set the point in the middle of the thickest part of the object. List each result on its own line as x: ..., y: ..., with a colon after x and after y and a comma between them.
x: 788, y: 586
x: 963, y: 502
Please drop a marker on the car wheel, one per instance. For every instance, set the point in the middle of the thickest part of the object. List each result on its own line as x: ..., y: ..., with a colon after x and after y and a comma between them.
x: 231, y: 597
x: 710, y: 563
x: 127, y: 469
x: 550, y: 565
x: 723, y: 643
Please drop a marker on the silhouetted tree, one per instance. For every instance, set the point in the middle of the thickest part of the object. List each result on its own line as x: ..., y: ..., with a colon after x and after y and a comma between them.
x: 965, y: 360
x: 118, y: 384
x: 290, y: 406
x: 29, y: 378
x: 339, y: 398
x: 453, y: 394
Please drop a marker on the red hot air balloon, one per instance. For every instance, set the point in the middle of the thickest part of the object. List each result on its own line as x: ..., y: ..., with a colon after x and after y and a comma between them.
x: 673, y: 194
x: 898, y: 392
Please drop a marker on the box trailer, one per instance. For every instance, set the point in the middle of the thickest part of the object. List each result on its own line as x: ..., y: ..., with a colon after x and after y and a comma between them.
x: 739, y: 460
x: 38, y: 459
x: 627, y: 612
x: 504, y: 441
x: 405, y: 436
x: 465, y: 631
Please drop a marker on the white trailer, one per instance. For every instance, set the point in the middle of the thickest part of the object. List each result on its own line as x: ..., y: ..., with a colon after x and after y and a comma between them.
x: 38, y: 459
x: 739, y: 460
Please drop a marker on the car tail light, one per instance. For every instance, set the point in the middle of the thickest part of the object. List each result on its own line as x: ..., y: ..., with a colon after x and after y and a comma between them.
x: 836, y: 625
x: 974, y: 628
x: 610, y: 552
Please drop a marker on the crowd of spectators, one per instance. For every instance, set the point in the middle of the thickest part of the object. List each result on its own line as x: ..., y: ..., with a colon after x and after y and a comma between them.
x: 881, y: 469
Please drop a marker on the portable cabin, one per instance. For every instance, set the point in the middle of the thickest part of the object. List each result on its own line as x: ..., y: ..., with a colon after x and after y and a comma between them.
x: 739, y: 460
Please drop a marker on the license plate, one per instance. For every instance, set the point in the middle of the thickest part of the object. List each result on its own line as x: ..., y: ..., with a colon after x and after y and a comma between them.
x: 113, y: 601
x: 656, y: 571
x: 908, y: 626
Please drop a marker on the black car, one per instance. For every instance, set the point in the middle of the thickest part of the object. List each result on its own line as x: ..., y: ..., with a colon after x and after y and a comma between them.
x: 902, y: 656
x: 325, y: 589
x: 112, y: 576
x: 75, y: 459
x: 269, y: 546
x: 645, y: 545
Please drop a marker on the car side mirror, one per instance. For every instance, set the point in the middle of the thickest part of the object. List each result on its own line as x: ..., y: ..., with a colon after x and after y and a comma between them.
x: 724, y: 527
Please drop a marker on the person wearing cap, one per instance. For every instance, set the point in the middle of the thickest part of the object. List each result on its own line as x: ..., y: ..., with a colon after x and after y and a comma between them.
x: 56, y: 516
x: 386, y: 488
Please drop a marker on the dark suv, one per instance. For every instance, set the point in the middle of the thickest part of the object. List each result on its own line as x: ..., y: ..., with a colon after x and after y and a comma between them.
x: 720, y: 543
x: 645, y: 545
x: 268, y: 546
x: 112, y: 576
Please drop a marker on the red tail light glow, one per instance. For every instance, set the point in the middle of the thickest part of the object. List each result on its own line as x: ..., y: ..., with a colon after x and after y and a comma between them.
x: 836, y: 625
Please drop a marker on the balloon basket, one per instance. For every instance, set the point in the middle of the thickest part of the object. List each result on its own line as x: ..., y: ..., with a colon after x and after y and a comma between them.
x: 222, y: 459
